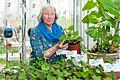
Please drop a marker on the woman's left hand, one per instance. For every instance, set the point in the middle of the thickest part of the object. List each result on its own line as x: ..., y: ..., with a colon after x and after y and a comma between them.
x: 61, y: 46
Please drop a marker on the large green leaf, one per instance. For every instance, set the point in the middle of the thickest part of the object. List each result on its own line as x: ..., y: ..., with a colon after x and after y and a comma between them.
x: 89, y: 5
x: 105, y: 23
x: 86, y: 19
x: 117, y: 4
x: 109, y: 6
x: 91, y: 18
x: 93, y: 32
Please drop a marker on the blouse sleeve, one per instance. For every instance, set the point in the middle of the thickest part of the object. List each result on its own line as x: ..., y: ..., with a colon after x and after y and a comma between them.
x: 36, y: 44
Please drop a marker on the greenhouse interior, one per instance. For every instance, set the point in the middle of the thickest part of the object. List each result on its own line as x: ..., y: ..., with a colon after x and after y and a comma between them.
x: 59, y: 39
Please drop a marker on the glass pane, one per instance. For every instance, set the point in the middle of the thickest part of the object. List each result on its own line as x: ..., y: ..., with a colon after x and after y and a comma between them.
x: 20, y: 16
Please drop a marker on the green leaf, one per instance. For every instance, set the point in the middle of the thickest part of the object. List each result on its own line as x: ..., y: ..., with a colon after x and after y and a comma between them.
x: 32, y: 75
x: 60, y: 78
x: 74, y: 78
x: 117, y: 4
x: 56, y: 66
x: 86, y: 19
x: 109, y: 6
x: 66, y: 73
x: 62, y: 38
x: 85, y: 69
x: 84, y: 74
x: 98, y: 71
x: 91, y: 17
x: 51, y: 77
x: 89, y: 5
x: 105, y: 23
x: 71, y: 28
x: 22, y: 76
x: 44, y: 67
x: 2, y: 49
x: 59, y: 73
x: 93, y: 32
x: 96, y: 77
x: 78, y: 74
x: 117, y: 38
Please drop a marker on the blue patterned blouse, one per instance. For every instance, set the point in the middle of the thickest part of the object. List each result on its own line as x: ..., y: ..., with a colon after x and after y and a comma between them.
x: 41, y: 39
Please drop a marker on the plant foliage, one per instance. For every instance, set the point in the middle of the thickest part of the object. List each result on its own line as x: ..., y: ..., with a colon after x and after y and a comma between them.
x: 104, y: 19
x: 60, y: 70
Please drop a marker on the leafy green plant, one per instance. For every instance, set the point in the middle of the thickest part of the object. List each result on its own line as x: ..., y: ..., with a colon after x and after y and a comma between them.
x: 6, y: 50
x: 2, y: 49
x: 14, y: 70
x: 104, y: 18
x: 71, y: 36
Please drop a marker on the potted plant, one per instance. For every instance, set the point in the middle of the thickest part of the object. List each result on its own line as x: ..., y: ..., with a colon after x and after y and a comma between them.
x: 103, y: 19
x: 73, y: 39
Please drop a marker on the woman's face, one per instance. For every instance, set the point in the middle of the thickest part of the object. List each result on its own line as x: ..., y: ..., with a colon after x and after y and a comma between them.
x: 48, y: 16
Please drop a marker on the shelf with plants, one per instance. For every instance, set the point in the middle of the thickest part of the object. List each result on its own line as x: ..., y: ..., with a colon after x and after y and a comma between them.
x: 60, y: 70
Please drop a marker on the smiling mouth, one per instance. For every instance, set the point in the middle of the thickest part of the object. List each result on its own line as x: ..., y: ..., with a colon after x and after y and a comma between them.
x: 49, y: 20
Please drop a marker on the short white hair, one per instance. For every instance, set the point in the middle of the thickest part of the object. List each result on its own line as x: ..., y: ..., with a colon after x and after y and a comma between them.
x: 42, y: 10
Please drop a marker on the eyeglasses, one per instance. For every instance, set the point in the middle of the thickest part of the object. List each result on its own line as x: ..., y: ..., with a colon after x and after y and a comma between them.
x: 48, y: 14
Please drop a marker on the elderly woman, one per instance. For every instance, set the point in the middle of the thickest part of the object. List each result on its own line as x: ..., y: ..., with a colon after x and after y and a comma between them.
x: 44, y: 38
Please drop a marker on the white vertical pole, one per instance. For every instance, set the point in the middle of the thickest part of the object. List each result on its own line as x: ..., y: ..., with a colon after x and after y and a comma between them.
x: 74, y: 14
x: 6, y: 41
x: 23, y: 55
